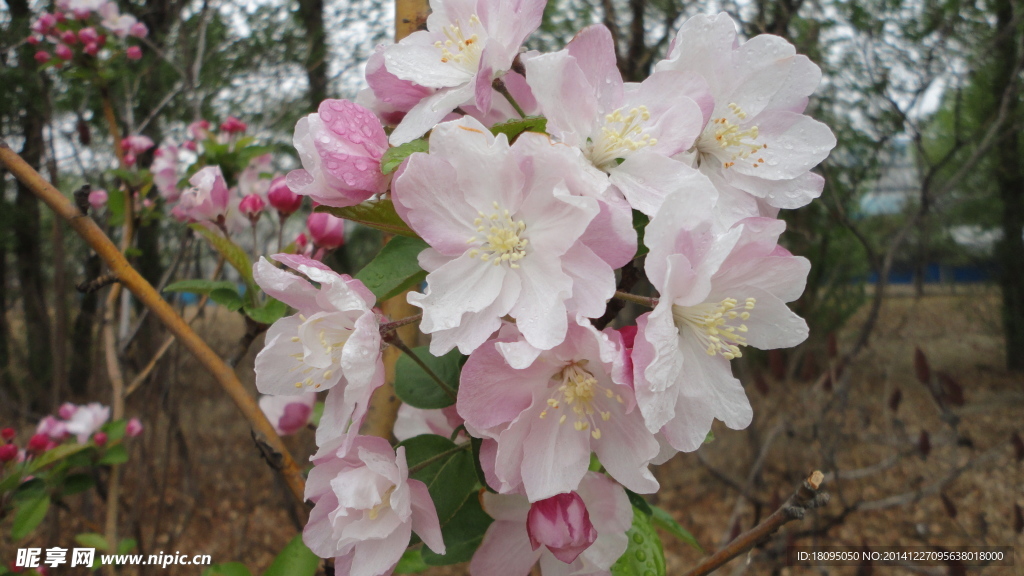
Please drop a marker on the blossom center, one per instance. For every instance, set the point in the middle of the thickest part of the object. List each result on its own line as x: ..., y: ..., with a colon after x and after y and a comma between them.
x: 621, y: 135
x: 499, y: 238
x: 738, y: 144
x: 580, y: 392
x: 461, y: 48
x: 385, y: 502
x: 322, y: 344
x: 713, y: 323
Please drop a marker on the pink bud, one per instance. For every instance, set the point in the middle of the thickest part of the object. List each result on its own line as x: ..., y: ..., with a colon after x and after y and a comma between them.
x: 68, y: 37
x: 233, y: 125
x: 8, y: 452
x: 91, y: 49
x: 301, y: 241
x: 38, y: 443
x: 282, y: 198
x: 33, y: 40
x: 8, y: 434
x: 198, y: 129
x: 133, y: 53
x: 190, y: 145
x: 88, y: 35
x: 42, y: 56
x: 99, y: 438
x: 133, y: 428
x: 67, y: 409
x: 103, y: 40
x: 561, y: 523
x: 328, y: 231
x: 136, y: 143
x: 45, y: 23
x: 63, y: 52
x: 129, y: 159
x: 252, y: 207
x: 97, y: 199
x: 138, y: 30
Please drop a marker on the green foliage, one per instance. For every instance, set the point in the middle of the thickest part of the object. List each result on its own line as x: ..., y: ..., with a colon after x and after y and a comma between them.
x: 271, y: 311
x: 411, y: 562
x: 199, y: 286
x: 395, y: 268
x: 514, y: 128
x: 233, y: 255
x: 462, y: 535
x: 379, y: 214
x: 393, y: 157
x: 227, y: 569
x: 294, y: 560
x: 445, y: 468
x: 644, y: 555
x: 662, y: 519
x: 416, y: 388
x: 27, y: 515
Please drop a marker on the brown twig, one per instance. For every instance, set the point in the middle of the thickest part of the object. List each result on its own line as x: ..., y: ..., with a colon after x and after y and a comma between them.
x: 807, y: 497
x: 148, y: 296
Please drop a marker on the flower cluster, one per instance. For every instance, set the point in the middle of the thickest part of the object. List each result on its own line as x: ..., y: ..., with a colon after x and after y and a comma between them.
x: 84, y: 29
x: 533, y: 177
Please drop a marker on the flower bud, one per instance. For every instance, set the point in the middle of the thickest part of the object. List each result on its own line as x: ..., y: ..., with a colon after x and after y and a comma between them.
x: 88, y: 35
x: 133, y: 428
x: 8, y: 452
x: 133, y: 53
x: 63, y: 52
x: 67, y: 410
x: 91, y: 49
x: 97, y: 199
x: 198, y: 129
x: 252, y: 207
x: 38, y: 443
x: 328, y: 231
x: 45, y: 23
x: 233, y: 125
x: 136, y: 143
x: 282, y: 198
x: 33, y: 40
x: 99, y: 438
x: 139, y: 30
x: 129, y: 159
x: 561, y: 523
x: 190, y: 145
x: 42, y: 56
x: 68, y: 37
x: 7, y: 434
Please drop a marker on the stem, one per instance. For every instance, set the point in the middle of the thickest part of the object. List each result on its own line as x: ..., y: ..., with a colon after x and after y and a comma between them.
x: 280, y: 230
x: 438, y: 456
x: 397, y: 343
x: 499, y: 85
x: 389, y: 327
x: 255, y: 248
x: 148, y: 296
x: 641, y: 300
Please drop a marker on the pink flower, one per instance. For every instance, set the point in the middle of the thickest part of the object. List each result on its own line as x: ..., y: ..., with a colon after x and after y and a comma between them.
x: 33, y: 40
x: 190, y: 145
x: 199, y: 129
x: 282, y: 198
x: 758, y: 144
x: 387, y: 95
x: 165, y: 172
x: 63, y: 52
x: 97, y: 199
x: 42, y: 56
x: 562, y: 524
x: 333, y: 340
x: 68, y: 37
x: 113, y: 20
x: 366, y: 507
x: 208, y: 197
x: 416, y: 421
x: 720, y: 289
x: 523, y: 230
x: 138, y: 30
x: 91, y: 49
x: 465, y: 47
x: 39, y: 443
x: 88, y: 35
x: 44, y: 24
x: 233, y: 125
x: 508, y: 546
x: 328, y: 231
x: 137, y: 144
x: 8, y: 452
x: 7, y: 434
x: 133, y: 53
x: 551, y: 412
x: 87, y: 420
x: 252, y: 207
x: 133, y: 428
x: 340, y: 147
x: 288, y: 414
x: 52, y: 428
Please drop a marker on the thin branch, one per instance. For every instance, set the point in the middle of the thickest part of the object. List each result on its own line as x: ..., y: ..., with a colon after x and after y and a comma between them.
x: 641, y: 300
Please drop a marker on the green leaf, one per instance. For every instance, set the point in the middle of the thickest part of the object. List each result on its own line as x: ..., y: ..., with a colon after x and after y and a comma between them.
x: 64, y: 451
x: 76, y: 483
x: 92, y: 540
x: 709, y: 438
x: 33, y: 489
x: 129, y: 177
x: 662, y: 519
x: 294, y: 560
x: 227, y: 569
x: 514, y: 128
x: 115, y: 207
x: 115, y: 455
x: 411, y: 562
x: 114, y: 430
x: 395, y: 268
x: 233, y: 254
x: 640, y: 222
x: 393, y: 157
x: 379, y: 214
x: 318, y: 413
x: 462, y: 535
x: 199, y: 286
x: 447, y: 471
x: 638, y: 502
x: 228, y: 298
x: 127, y: 545
x: 28, y: 515
x: 414, y: 387
x: 644, y: 555
x: 269, y: 313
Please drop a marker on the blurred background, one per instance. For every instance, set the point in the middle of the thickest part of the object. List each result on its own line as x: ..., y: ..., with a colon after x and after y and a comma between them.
x: 908, y: 394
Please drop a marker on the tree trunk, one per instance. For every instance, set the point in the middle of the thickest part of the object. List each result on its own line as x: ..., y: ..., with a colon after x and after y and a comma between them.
x: 311, y: 13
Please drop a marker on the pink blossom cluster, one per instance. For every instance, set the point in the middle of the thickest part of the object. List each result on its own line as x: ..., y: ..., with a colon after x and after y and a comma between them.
x: 83, y: 28
x: 525, y: 236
